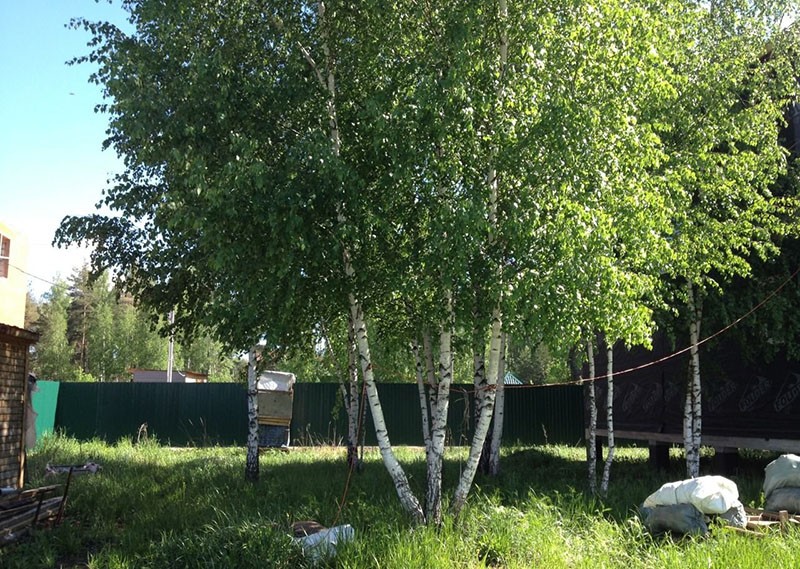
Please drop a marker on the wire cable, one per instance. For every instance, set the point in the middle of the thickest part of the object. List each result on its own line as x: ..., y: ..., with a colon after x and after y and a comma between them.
x: 677, y: 353
x: 31, y: 274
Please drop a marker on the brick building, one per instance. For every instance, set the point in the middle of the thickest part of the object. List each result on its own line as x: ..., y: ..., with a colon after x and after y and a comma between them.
x: 15, y: 343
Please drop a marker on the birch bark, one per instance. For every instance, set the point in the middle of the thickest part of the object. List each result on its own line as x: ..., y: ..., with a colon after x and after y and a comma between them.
x: 479, y: 385
x: 353, y: 399
x: 419, y: 368
x: 478, y: 370
x: 609, y: 421
x: 591, y: 442
x: 487, y: 402
x: 407, y: 498
x: 484, y: 418
x: 433, y: 498
x: 692, y: 413
x: 430, y: 372
x: 499, y: 413
x: 251, y: 464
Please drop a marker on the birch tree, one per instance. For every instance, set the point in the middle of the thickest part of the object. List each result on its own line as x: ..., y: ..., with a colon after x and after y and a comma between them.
x: 722, y: 139
x: 251, y: 469
x: 604, y: 482
x: 352, y: 398
x: 591, y: 439
x: 291, y: 163
x: 499, y: 414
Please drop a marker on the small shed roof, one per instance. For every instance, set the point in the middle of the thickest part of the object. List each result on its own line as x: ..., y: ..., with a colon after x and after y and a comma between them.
x: 12, y: 333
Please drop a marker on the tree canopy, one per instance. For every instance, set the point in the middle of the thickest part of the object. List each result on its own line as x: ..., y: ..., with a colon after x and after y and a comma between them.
x: 459, y: 167
x: 92, y: 331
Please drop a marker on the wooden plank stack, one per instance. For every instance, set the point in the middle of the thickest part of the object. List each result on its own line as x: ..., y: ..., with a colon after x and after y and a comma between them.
x: 22, y: 510
x: 761, y: 522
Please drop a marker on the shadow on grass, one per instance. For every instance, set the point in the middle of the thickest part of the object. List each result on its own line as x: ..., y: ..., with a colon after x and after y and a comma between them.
x: 146, y: 494
x: 563, y: 471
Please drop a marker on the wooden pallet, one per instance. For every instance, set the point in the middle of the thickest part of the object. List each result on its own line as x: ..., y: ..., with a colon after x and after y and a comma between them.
x: 761, y: 522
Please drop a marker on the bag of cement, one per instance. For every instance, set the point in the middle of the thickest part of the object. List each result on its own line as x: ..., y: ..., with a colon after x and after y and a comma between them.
x: 322, y: 544
x: 736, y: 516
x: 677, y: 518
x: 782, y: 472
x: 709, y: 494
x: 784, y: 499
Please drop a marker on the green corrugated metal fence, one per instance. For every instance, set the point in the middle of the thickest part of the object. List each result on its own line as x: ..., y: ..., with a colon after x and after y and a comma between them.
x: 176, y: 413
x: 215, y: 413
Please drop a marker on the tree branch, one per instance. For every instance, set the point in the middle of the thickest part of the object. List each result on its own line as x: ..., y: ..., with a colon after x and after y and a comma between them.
x: 313, y: 65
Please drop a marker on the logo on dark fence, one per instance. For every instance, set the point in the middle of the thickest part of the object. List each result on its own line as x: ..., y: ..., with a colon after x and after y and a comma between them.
x: 721, y: 395
x: 652, y: 399
x: 671, y: 393
x: 755, y: 391
x: 629, y: 402
x: 790, y: 390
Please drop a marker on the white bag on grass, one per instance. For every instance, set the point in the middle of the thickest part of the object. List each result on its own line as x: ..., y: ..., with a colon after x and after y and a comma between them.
x: 709, y: 494
x: 322, y: 544
x: 676, y: 518
x: 783, y: 472
x: 784, y: 499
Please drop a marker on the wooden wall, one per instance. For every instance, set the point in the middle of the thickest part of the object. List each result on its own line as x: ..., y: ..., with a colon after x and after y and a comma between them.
x: 14, y: 345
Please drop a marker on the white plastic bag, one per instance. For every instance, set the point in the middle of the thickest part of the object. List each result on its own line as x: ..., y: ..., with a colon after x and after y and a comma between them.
x: 784, y: 499
x: 783, y: 472
x: 709, y: 494
x: 323, y: 543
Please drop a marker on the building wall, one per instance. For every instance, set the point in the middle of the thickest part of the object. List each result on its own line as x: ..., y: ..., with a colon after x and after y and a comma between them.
x: 13, y: 282
x: 14, y: 344
x: 160, y: 376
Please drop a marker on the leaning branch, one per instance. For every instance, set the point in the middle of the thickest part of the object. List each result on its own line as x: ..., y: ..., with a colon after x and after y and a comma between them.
x: 313, y: 65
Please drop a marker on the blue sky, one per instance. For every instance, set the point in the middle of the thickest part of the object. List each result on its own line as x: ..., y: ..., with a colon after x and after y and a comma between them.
x: 51, y: 161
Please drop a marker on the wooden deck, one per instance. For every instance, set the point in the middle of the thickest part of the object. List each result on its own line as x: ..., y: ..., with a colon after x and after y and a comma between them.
x: 718, y: 442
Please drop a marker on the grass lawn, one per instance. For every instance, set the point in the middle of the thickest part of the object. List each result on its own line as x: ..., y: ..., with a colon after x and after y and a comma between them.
x: 156, y: 507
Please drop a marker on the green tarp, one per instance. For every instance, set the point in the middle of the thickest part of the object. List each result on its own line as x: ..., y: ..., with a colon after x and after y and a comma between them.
x: 45, y: 399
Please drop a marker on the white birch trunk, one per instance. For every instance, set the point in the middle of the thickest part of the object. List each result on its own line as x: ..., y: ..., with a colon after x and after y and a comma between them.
x: 487, y: 402
x: 485, y: 416
x: 591, y: 448
x: 499, y: 413
x: 430, y: 371
x: 693, y: 411
x: 419, y: 368
x: 688, y: 441
x: 407, y: 498
x: 478, y: 371
x: 251, y: 464
x: 433, y: 498
x: 609, y: 422
x: 353, y: 399
x: 479, y: 384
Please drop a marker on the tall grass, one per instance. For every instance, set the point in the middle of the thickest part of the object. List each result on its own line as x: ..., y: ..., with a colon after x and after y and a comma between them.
x: 156, y: 507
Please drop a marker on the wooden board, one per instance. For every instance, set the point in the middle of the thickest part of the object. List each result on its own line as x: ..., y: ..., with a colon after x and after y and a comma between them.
x: 22, y: 510
x: 777, y: 445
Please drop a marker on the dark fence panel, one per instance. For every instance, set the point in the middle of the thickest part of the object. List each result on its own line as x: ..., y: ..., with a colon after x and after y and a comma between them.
x: 741, y: 398
x: 177, y: 414
x: 317, y: 414
x: 216, y: 413
x: 544, y: 414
